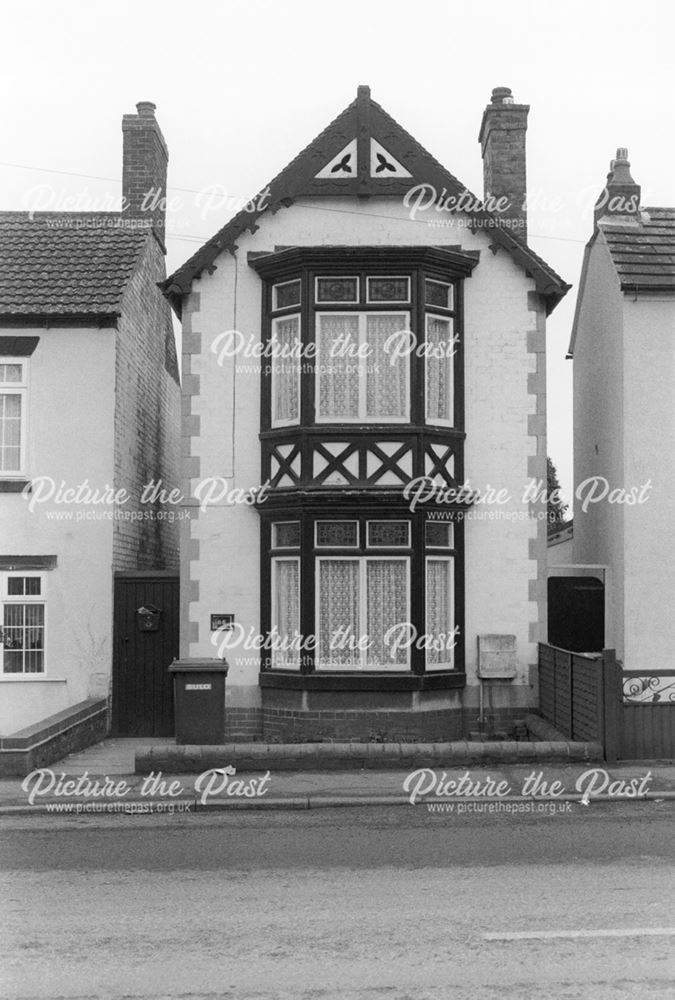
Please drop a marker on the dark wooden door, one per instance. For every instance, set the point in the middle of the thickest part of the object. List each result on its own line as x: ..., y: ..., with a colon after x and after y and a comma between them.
x: 143, y: 647
x: 576, y: 613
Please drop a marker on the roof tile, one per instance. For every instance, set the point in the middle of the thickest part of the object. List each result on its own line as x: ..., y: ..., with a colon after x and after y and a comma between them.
x: 644, y: 254
x: 61, y: 264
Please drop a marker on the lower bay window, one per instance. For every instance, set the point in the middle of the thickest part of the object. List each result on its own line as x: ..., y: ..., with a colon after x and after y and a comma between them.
x: 22, y: 628
x: 359, y: 597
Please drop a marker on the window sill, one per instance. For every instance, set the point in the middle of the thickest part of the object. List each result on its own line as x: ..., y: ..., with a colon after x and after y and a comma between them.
x: 31, y: 679
x: 439, y: 680
x: 17, y: 485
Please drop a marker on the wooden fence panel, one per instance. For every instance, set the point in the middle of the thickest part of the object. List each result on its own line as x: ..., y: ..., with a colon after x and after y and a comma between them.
x: 586, y: 699
x: 562, y: 713
x: 571, y: 692
x: 546, y: 682
x: 632, y: 713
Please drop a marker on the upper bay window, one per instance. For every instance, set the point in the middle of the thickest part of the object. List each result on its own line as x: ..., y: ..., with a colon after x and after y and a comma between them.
x: 370, y: 344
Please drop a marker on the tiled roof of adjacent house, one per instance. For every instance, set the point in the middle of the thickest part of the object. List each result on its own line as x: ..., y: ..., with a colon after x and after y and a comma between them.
x: 644, y: 253
x: 56, y: 264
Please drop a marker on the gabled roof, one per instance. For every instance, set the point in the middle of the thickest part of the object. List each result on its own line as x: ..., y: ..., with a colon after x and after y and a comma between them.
x: 363, y: 152
x: 65, y: 267
x: 643, y: 253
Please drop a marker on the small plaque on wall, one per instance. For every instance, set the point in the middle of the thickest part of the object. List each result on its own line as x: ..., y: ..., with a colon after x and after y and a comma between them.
x: 224, y: 622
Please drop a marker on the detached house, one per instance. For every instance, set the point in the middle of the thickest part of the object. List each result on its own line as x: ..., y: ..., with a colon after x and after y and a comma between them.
x: 623, y: 346
x: 89, y: 397
x: 361, y: 343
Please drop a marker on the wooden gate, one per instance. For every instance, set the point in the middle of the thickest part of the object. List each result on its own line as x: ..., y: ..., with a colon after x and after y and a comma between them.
x: 145, y: 641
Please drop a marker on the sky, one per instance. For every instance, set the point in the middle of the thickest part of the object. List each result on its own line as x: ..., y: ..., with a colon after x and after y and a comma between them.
x: 241, y: 87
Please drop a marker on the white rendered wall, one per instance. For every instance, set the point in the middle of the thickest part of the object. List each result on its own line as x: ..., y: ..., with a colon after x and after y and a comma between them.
x: 599, y: 422
x: 70, y: 439
x: 499, y: 563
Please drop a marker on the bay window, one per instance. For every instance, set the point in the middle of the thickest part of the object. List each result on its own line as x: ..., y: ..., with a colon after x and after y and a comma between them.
x: 351, y: 594
x: 362, y: 396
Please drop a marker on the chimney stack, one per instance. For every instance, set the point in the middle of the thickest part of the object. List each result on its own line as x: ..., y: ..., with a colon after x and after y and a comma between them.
x: 620, y: 198
x: 144, y: 165
x: 502, y: 139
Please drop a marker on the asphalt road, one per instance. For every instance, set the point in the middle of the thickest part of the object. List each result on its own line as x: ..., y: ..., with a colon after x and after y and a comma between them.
x: 374, y: 904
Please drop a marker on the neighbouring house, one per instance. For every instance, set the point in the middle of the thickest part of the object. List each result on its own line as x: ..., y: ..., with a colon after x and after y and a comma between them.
x: 363, y: 346
x: 623, y: 346
x: 89, y: 403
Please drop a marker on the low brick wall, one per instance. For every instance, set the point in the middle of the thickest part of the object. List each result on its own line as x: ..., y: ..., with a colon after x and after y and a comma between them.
x: 244, y: 725
x: 65, y: 732
x: 296, y: 716
x: 286, y: 725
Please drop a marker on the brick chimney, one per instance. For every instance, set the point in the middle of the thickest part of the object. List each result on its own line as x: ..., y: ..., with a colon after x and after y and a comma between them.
x: 619, y: 200
x: 502, y: 139
x: 144, y: 164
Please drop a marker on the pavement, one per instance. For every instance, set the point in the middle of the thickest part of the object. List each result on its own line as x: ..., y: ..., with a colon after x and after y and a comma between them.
x: 101, y: 779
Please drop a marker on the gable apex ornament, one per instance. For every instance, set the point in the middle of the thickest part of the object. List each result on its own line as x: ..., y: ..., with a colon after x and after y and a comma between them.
x: 383, y: 164
x: 342, y: 165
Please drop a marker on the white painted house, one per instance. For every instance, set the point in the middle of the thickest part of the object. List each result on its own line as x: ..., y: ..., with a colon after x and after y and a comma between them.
x: 89, y: 399
x: 362, y: 238
x: 623, y: 346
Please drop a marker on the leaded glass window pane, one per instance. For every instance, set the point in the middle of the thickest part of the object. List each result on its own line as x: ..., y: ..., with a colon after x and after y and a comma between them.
x: 388, y: 289
x: 337, y: 534
x: 437, y: 293
x: 439, y: 534
x: 286, y: 535
x: 337, y: 289
x: 388, y: 534
x: 287, y: 294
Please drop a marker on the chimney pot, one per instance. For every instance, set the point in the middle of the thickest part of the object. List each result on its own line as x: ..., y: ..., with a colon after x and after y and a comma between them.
x: 502, y: 95
x: 146, y: 109
x: 620, y: 198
